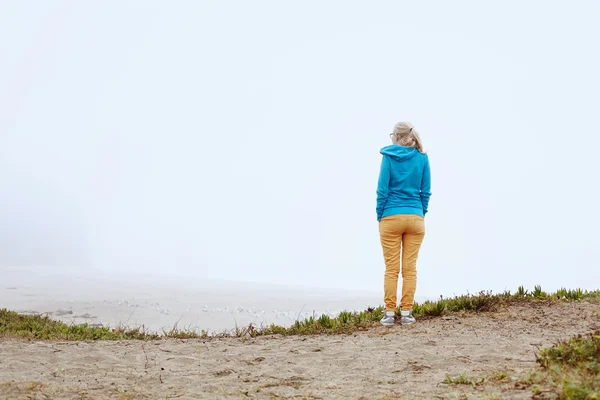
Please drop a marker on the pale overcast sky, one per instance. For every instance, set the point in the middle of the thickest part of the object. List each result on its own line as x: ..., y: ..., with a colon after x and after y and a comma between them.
x: 240, y: 140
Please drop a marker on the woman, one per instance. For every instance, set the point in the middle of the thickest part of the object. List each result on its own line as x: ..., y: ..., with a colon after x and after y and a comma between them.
x: 403, y: 194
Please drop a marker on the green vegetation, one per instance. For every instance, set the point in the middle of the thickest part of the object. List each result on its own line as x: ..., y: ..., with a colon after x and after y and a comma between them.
x: 481, y: 302
x: 487, y: 301
x: 463, y: 379
x: 572, y: 367
x: 500, y: 376
x: 561, y: 294
x: 44, y: 328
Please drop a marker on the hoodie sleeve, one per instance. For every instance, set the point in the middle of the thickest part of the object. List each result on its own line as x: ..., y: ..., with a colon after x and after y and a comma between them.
x: 426, y: 186
x: 383, y: 186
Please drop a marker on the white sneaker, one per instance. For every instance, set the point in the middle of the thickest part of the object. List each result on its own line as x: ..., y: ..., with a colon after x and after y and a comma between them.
x: 406, y: 318
x: 389, y: 318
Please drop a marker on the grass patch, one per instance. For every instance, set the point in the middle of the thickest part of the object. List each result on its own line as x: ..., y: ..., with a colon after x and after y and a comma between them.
x: 491, y: 396
x: 462, y: 379
x: 572, y: 367
x: 561, y: 294
x: 43, y: 328
x: 486, y: 301
x: 481, y: 302
x: 500, y: 376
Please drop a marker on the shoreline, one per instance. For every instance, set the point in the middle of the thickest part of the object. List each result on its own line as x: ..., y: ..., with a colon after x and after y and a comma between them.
x: 214, y: 306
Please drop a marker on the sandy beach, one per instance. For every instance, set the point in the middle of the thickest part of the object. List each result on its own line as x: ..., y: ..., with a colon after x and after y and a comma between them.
x: 381, y: 363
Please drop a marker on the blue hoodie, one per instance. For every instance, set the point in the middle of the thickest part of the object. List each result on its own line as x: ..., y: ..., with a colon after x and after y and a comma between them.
x: 404, y: 182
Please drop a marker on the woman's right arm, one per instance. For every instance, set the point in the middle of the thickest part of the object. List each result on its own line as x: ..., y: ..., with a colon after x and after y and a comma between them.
x: 426, y: 186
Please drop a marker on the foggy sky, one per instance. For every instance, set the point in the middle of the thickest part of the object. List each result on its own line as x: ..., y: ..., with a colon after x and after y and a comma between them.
x: 240, y: 140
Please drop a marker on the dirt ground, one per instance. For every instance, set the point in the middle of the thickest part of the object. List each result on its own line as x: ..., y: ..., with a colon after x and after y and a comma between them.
x: 381, y: 363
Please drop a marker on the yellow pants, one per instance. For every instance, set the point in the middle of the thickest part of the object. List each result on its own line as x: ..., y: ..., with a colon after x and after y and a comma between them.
x: 401, y: 233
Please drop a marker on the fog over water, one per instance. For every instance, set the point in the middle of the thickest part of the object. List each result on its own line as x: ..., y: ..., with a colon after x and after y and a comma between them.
x: 200, y: 142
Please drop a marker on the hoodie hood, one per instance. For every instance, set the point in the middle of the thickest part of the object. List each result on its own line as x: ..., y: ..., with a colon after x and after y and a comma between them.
x: 399, y: 153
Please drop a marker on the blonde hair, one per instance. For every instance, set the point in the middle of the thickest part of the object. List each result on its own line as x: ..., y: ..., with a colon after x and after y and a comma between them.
x: 407, y: 136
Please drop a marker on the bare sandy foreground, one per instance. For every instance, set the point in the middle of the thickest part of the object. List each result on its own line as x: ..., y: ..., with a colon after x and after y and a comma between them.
x: 381, y: 363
